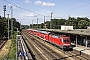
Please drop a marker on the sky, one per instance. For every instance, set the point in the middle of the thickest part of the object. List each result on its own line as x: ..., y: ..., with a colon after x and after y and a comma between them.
x: 27, y: 11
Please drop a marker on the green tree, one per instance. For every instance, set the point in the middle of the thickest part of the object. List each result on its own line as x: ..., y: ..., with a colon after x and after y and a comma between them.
x: 41, y: 25
x: 60, y: 22
x: 15, y: 24
x: 47, y: 23
x: 54, y: 23
x: 3, y: 28
x: 82, y: 24
x: 79, y: 19
x: 72, y: 22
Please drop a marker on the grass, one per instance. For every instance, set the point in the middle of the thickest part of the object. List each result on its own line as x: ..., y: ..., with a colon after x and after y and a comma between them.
x: 12, y: 54
x: 5, y: 50
x: 12, y: 51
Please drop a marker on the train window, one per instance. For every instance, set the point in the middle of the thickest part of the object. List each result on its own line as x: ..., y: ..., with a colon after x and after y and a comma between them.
x: 55, y: 36
x: 66, y: 41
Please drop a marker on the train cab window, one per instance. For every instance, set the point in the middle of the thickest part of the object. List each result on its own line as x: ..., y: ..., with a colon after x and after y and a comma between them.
x: 66, y: 41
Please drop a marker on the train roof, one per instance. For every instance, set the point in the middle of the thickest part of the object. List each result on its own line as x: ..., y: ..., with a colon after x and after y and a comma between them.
x: 58, y: 36
x: 36, y: 30
x: 45, y: 32
x: 29, y: 29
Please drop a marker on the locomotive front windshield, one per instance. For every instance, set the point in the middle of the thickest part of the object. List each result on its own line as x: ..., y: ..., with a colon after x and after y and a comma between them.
x: 65, y: 40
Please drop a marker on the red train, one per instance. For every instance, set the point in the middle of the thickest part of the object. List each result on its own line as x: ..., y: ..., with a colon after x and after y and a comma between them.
x: 60, y: 40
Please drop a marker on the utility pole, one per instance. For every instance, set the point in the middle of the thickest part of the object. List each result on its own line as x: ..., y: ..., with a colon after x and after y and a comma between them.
x: 37, y: 23
x: 51, y: 21
x: 11, y: 20
x: 44, y: 19
x: 8, y: 26
x: 32, y: 23
x: 4, y: 9
x: 29, y: 25
x: 20, y: 24
x: 76, y: 40
x: 86, y: 42
x: 44, y: 22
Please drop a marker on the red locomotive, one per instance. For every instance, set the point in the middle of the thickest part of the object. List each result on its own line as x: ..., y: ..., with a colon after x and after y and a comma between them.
x: 60, y: 40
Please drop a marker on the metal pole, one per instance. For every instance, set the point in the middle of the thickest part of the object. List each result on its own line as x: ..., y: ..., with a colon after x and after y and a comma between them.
x: 51, y: 21
x: 76, y: 40
x: 86, y: 42
x: 44, y: 22
x: 11, y: 20
x: 4, y: 7
x: 32, y: 23
x: 44, y: 19
x: 37, y: 23
x: 16, y: 47
x: 20, y: 24
x: 4, y: 15
x: 29, y: 25
x: 8, y: 26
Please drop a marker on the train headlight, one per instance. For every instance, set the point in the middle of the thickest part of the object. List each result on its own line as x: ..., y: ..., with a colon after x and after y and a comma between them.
x: 66, y: 44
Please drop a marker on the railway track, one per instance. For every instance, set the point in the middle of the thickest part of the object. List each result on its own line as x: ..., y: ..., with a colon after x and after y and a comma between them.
x: 40, y: 50
x: 2, y: 43
x: 73, y: 55
x: 53, y: 54
x: 76, y: 55
x: 35, y: 53
x: 31, y: 48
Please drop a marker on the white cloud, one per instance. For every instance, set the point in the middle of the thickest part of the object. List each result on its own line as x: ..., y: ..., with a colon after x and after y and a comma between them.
x: 27, y: 1
x: 44, y: 3
x: 38, y: 2
x: 14, y: 7
x: 48, y: 4
x: 31, y: 15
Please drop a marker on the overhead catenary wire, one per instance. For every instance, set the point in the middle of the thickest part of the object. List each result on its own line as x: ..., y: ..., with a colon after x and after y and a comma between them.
x: 23, y: 8
x: 42, y: 14
x: 77, y: 7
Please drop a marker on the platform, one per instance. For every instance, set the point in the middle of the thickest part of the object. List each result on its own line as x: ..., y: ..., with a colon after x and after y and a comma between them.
x: 75, y: 31
x: 83, y: 50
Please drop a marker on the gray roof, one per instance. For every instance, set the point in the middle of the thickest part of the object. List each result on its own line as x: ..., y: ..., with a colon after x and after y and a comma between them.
x: 75, y: 31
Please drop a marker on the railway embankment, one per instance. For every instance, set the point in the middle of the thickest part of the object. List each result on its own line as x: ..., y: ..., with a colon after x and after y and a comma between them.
x: 8, y: 51
x: 5, y: 49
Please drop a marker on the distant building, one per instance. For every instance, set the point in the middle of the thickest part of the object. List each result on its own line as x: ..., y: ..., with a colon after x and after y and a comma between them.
x: 63, y: 27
